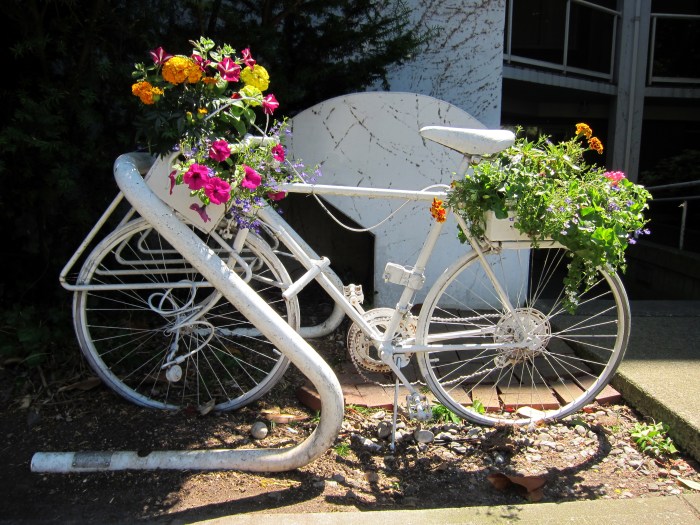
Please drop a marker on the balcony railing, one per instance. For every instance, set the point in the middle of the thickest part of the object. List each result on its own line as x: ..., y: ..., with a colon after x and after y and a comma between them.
x: 669, y: 51
x: 578, y: 46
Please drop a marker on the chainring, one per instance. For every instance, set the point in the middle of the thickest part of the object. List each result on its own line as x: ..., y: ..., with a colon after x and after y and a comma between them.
x: 362, y: 351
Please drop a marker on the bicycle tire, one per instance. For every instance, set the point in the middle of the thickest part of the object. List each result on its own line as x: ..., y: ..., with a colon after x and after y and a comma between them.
x: 569, y: 360
x: 127, y: 335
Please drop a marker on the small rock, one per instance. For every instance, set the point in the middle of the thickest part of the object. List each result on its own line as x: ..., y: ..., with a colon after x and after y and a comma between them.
x: 458, y: 449
x: 548, y: 444
x: 653, y: 487
x: 444, y: 436
x: 365, y: 443
x: 544, y: 436
x: 663, y: 473
x: 259, y: 430
x: 580, y: 430
x: 338, y: 478
x: 379, y: 415
x: 635, y: 463
x: 559, y: 448
x: 674, y: 472
x: 473, y: 432
x: 615, y: 451
x: 498, y: 459
x: 423, y: 436
x: 384, y: 430
x: 371, y: 476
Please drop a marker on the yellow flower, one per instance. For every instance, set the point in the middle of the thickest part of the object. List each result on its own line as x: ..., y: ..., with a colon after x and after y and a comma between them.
x: 584, y: 129
x: 257, y: 78
x: 595, y: 144
x: 253, y: 94
x: 179, y: 69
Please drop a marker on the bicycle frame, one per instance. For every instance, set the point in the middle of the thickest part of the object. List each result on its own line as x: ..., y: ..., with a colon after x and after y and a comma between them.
x: 411, y: 278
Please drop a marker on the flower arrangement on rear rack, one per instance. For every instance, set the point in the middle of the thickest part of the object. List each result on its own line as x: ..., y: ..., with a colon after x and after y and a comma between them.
x: 549, y: 191
x: 204, y: 107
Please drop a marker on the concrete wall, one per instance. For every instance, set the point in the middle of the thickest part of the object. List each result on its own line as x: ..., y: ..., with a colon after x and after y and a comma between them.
x: 374, y: 141
x: 463, y: 63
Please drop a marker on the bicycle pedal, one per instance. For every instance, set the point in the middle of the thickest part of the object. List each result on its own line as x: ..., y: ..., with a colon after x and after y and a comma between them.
x: 418, y: 407
x: 354, y: 294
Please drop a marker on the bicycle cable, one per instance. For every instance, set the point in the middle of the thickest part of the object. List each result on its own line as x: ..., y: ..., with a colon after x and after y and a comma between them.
x: 370, y: 228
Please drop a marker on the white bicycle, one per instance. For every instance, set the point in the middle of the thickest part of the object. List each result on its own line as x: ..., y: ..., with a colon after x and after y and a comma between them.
x: 491, y: 339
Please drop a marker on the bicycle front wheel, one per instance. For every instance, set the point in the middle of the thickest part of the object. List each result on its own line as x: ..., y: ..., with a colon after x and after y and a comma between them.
x: 157, y: 333
x: 492, y: 365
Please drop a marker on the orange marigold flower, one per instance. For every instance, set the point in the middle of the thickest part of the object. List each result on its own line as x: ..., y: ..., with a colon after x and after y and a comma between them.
x: 145, y: 91
x: 438, y: 211
x: 209, y: 80
x: 584, y: 129
x: 595, y: 144
x: 179, y: 69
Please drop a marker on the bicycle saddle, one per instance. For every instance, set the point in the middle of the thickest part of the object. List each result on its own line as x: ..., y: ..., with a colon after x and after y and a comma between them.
x: 470, y: 141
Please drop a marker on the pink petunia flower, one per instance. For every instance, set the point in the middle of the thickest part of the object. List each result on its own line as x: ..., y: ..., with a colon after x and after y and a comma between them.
x: 229, y: 70
x: 278, y: 153
x: 202, y: 210
x: 196, y: 177
x: 614, y: 177
x: 218, y: 190
x: 252, y: 178
x: 248, y: 58
x: 277, y: 195
x: 173, y: 181
x: 159, y: 56
x: 201, y: 62
x: 269, y: 104
x: 219, y: 150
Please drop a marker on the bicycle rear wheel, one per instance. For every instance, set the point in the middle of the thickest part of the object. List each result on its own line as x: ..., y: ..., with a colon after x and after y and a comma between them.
x: 157, y: 333
x: 560, y: 364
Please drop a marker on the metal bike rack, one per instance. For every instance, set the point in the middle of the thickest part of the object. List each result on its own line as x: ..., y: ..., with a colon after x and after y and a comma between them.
x: 265, y: 319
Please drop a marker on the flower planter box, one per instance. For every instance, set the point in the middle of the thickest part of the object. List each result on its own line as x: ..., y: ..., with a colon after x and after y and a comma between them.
x: 504, y: 230
x: 179, y: 199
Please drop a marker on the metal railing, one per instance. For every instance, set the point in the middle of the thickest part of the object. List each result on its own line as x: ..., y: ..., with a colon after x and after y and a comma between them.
x: 651, y: 78
x: 563, y: 66
x: 684, y: 202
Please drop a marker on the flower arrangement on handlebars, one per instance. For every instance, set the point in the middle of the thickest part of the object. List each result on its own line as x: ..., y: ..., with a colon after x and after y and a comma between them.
x: 551, y: 192
x: 202, y: 109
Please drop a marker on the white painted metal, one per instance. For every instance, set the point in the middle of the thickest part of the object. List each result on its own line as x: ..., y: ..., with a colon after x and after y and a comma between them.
x: 372, y: 141
x: 265, y: 319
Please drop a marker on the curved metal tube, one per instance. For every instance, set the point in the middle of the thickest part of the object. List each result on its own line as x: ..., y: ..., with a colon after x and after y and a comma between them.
x: 261, y: 315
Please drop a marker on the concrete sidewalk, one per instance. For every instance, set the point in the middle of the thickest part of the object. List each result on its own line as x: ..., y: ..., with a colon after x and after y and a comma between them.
x: 660, y: 374
x: 662, y: 510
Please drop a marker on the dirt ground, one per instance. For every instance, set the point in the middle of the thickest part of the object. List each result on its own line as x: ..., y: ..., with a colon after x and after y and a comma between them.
x: 590, y: 455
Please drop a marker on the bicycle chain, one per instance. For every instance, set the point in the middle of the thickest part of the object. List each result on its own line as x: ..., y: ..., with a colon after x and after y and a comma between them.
x: 356, y: 360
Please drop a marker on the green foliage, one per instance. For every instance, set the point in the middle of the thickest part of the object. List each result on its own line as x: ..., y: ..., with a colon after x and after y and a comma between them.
x: 652, y: 439
x: 342, y: 449
x: 442, y: 414
x: 552, y: 192
x: 478, y: 406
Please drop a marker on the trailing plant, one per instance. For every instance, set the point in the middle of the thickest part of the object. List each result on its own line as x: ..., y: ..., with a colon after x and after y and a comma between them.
x: 550, y: 191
